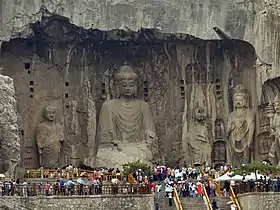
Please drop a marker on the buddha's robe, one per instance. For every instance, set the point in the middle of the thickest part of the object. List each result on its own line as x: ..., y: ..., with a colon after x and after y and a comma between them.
x: 242, y: 127
x: 126, y: 132
x: 49, y: 140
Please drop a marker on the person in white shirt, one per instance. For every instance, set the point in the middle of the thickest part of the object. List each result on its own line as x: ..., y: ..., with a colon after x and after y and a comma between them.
x: 233, y: 207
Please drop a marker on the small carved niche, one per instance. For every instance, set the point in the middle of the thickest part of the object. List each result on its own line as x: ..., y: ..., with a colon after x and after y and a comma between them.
x: 66, y: 84
x: 66, y: 95
x: 103, y: 90
x: 182, y: 88
x: 27, y: 65
x: 31, y: 83
x: 218, y: 88
x: 146, y: 90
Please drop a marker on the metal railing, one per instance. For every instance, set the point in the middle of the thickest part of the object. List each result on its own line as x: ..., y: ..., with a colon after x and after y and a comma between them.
x: 75, y: 189
x: 234, y: 198
x: 66, y: 174
x: 207, y: 200
x: 177, y: 199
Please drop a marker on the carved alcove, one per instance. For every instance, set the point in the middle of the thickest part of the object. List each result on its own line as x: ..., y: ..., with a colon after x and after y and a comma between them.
x: 270, y: 89
x: 75, y: 68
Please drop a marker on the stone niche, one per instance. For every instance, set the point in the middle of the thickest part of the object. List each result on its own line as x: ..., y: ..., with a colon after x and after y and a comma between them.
x: 187, y: 82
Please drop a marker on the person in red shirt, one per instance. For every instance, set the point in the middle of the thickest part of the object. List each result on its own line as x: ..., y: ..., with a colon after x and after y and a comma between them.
x: 153, y: 186
x: 47, y: 188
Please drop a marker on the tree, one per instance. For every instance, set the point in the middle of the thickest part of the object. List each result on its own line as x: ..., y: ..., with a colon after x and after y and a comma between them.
x: 131, y: 167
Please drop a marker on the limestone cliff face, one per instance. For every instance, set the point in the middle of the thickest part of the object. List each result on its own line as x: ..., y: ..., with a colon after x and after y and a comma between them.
x: 256, y: 21
x: 9, y: 138
x: 50, y: 59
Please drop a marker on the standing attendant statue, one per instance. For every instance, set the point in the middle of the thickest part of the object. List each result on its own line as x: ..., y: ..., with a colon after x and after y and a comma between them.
x: 126, y: 130
x: 49, y: 137
x: 241, y: 126
x: 273, y: 112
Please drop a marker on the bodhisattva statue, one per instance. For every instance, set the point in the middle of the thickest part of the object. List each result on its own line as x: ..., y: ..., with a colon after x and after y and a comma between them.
x: 273, y: 112
x: 50, y: 137
x: 200, y: 142
x: 126, y: 129
x: 241, y: 126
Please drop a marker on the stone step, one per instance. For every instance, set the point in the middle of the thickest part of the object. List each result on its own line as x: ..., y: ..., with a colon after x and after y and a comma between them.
x: 222, y: 202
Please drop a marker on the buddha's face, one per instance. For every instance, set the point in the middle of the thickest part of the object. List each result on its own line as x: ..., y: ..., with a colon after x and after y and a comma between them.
x: 200, y: 113
x: 127, y: 88
x: 239, y: 101
x: 50, y: 113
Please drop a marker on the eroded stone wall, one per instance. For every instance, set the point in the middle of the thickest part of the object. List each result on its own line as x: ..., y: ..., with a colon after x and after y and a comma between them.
x: 10, y: 133
x: 187, y: 82
x: 126, y: 202
x: 263, y: 200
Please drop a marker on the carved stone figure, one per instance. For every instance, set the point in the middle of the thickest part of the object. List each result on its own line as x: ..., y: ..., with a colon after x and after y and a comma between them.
x: 50, y: 137
x: 219, y: 150
x: 126, y: 129
x: 219, y: 129
x: 241, y: 126
x: 200, y: 141
x: 273, y: 112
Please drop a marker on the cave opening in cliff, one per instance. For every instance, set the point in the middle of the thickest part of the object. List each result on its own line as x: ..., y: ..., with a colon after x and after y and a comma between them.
x: 183, y: 79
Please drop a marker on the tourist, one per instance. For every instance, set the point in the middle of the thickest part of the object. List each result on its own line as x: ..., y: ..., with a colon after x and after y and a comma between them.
x: 170, y: 197
x: 214, y: 205
x: 47, y: 188
x: 233, y: 207
x: 156, y: 206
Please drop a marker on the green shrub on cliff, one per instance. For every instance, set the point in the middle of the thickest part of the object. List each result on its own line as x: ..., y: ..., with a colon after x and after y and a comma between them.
x: 131, y: 167
x: 256, y: 166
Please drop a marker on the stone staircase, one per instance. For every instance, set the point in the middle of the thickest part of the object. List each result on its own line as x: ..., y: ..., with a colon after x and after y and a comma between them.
x: 164, y: 205
x: 189, y: 203
x: 222, y: 202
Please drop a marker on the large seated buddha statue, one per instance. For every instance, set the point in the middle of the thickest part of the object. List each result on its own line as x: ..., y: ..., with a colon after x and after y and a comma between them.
x: 126, y: 130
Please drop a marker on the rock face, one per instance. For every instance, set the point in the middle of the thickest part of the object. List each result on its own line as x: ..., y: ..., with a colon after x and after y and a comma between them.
x: 184, y: 92
x: 10, y: 139
x: 187, y: 82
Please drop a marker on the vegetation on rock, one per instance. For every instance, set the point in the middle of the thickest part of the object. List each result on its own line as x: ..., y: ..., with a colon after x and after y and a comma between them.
x: 131, y: 167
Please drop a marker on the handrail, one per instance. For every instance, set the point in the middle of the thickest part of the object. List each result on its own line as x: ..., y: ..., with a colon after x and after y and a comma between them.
x: 177, y: 199
x: 209, y: 206
x: 234, y: 198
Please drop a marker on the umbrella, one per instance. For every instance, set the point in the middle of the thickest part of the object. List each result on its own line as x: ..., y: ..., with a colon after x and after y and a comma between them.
x: 253, y: 176
x: 225, y: 177
x: 237, y: 178
x: 197, y: 164
x: 2, y: 176
x: 80, y: 181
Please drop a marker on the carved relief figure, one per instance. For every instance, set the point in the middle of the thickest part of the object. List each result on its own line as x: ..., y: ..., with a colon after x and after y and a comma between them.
x: 241, y: 126
x: 273, y: 112
x: 200, y: 141
x: 50, y: 137
x: 126, y: 129
x: 219, y: 129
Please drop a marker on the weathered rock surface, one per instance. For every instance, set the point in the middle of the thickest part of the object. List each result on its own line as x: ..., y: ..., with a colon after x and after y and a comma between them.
x: 178, y: 72
x: 9, y: 133
x: 255, y: 21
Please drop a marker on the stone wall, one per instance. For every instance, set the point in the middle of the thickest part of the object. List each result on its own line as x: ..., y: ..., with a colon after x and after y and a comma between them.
x: 263, y: 200
x: 113, y: 202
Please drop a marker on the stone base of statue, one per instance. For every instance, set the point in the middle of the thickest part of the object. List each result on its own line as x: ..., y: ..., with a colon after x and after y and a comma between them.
x: 114, y: 156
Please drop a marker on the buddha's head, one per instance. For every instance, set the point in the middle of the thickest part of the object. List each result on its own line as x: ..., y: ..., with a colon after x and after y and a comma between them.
x: 50, y: 113
x: 126, y: 80
x: 240, y: 97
